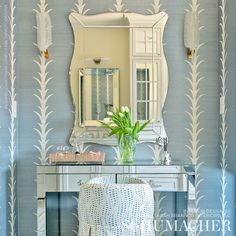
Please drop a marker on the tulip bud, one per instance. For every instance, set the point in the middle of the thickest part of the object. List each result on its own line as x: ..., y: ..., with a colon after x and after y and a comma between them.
x: 126, y: 109
x: 109, y: 113
x: 107, y: 119
x: 121, y: 115
x: 122, y: 109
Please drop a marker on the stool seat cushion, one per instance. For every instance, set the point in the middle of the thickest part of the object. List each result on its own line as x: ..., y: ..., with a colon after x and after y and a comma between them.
x: 125, y: 208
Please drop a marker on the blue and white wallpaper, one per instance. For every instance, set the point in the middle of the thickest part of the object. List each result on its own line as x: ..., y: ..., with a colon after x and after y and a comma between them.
x: 199, y: 129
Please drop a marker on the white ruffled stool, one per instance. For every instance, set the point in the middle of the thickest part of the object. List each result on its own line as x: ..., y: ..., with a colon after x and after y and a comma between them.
x: 107, y: 208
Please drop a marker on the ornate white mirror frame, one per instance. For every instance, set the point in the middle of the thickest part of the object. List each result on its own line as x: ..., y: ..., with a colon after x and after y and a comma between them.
x: 144, y: 66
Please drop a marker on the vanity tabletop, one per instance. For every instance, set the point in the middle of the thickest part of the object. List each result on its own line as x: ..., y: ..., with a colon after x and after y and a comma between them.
x: 146, y: 165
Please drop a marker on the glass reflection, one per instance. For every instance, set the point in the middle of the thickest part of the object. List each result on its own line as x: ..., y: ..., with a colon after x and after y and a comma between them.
x: 96, y: 85
x: 147, y: 90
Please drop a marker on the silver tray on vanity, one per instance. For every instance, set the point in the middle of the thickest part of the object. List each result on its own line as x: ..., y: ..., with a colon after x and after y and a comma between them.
x: 86, y: 158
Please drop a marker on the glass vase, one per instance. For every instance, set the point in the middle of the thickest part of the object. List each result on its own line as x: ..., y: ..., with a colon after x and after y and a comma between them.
x: 127, y: 148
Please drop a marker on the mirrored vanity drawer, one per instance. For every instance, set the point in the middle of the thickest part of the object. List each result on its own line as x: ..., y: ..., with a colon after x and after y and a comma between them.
x: 160, y: 169
x: 167, y: 183
x: 60, y: 183
x: 72, y: 182
x: 63, y: 182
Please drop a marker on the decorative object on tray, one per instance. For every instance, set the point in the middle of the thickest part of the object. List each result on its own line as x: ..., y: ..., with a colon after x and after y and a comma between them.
x: 164, y: 157
x: 120, y: 124
x: 80, y: 158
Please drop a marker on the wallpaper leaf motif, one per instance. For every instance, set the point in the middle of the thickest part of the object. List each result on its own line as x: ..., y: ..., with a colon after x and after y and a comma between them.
x: 194, y: 114
x: 80, y: 5
x: 43, y: 112
x: 156, y: 150
x: 119, y: 6
x: 43, y: 109
x: 159, y: 215
x: 194, y: 130
x: 223, y: 112
x: 12, y: 128
x: 43, y: 96
x: 156, y: 5
x: 42, y: 6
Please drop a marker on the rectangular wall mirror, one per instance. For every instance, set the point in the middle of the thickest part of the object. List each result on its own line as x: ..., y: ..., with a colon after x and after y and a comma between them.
x: 99, y: 93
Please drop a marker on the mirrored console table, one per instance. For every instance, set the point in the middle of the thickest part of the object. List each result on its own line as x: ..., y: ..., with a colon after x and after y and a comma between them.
x: 68, y: 178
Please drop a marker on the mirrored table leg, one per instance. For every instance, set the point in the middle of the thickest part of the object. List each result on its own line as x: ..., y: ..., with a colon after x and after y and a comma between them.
x: 41, y: 217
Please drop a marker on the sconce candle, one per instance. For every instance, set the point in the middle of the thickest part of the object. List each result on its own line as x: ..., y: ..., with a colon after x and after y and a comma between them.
x: 191, y: 32
x: 44, y: 34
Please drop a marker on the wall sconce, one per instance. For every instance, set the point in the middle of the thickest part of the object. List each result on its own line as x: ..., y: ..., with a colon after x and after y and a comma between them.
x: 191, y: 35
x: 97, y: 60
x: 44, y: 32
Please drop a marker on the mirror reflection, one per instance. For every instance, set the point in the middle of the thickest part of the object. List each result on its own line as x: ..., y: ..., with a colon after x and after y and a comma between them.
x: 99, y: 92
x: 147, y: 90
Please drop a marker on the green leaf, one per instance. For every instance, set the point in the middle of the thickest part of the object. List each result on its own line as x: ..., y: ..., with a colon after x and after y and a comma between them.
x: 143, y: 125
x: 106, y: 125
x: 128, y: 119
x: 114, y: 131
x: 136, y: 126
x: 128, y: 130
x: 122, y: 125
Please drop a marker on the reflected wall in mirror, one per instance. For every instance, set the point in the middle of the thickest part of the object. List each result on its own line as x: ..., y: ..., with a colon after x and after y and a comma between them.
x: 131, y: 45
x: 99, y: 93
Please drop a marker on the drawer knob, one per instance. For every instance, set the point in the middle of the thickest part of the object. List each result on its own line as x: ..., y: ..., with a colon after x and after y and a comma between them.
x: 154, y: 185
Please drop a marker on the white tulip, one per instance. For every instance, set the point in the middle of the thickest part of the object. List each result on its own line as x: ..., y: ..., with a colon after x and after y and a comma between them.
x: 109, y: 113
x: 121, y: 115
x: 126, y: 109
x: 122, y: 109
x: 107, y: 119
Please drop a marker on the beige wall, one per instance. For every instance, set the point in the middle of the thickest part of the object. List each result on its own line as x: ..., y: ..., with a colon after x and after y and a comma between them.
x: 109, y: 43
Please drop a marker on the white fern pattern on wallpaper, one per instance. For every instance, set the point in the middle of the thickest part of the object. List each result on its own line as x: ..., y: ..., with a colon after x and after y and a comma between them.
x: 43, y: 96
x: 194, y: 113
x: 117, y: 153
x: 43, y: 112
x: 80, y: 5
x: 156, y: 5
x: 194, y: 130
x: 159, y: 214
x: 12, y: 128
x: 119, y: 6
x: 223, y: 111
